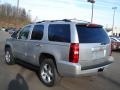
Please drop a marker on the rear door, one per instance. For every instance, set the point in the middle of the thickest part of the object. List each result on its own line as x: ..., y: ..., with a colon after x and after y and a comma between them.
x: 94, y: 43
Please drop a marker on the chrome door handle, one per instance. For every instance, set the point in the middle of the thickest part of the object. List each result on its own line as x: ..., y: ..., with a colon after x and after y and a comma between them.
x: 39, y: 45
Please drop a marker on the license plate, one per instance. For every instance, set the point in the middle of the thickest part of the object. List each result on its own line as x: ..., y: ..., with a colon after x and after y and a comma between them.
x: 99, y: 54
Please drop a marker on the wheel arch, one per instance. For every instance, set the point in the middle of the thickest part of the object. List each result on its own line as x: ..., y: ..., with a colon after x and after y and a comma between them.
x: 47, y: 55
x: 7, y: 46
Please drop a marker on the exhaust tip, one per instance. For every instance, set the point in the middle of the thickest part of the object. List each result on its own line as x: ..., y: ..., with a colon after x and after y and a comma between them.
x: 101, y: 70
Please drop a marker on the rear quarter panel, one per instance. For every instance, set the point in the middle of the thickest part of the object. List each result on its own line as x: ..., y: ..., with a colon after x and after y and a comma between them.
x: 60, y: 51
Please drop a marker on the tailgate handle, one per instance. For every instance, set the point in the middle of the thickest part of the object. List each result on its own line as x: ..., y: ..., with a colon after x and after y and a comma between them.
x: 97, y: 49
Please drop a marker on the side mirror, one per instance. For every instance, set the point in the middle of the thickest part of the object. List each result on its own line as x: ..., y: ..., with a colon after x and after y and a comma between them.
x: 14, y: 36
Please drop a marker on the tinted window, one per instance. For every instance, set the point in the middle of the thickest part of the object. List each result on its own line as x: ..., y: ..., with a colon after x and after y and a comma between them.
x: 92, y: 35
x: 24, y: 33
x: 59, y: 32
x: 37, y: 32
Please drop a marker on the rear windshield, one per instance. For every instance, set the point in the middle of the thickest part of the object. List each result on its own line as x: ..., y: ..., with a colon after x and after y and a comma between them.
x: 92, y: 35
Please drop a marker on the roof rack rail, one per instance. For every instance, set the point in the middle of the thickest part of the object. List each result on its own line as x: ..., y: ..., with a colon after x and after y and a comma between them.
x: 70, y: 20
x: 43, y: 21
x: 66, y: 20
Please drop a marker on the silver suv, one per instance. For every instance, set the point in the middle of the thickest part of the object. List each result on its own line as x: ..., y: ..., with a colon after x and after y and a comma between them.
x: 61, y: 48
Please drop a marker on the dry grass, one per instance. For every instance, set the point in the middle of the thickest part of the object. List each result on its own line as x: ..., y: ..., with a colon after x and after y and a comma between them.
x: 12, y: 22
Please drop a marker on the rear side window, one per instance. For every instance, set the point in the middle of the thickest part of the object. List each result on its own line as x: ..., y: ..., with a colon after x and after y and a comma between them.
x: 37, y: 32
x: 59, y: 32
x: 92, y: 35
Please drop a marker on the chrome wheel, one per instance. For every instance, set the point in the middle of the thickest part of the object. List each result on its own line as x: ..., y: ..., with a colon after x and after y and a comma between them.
x: 7, y: 56
x: 46, y: 73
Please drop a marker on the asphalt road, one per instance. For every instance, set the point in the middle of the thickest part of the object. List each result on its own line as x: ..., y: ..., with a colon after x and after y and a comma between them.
x: 17, y: 77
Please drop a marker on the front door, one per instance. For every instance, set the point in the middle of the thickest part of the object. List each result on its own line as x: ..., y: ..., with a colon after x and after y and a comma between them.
x: 20, y: 44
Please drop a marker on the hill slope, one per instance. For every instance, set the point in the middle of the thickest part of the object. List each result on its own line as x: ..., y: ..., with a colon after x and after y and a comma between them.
x: 11, y: 16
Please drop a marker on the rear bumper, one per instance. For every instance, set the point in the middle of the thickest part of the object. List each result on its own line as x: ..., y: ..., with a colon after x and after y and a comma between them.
x: 75, y: 70
x: 96, y: 66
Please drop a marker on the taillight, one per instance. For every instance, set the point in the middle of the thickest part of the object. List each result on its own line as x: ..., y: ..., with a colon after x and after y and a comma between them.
x: 74, y: 53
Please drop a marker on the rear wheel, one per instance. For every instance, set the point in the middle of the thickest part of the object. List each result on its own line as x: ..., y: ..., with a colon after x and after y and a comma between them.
x: 48, y: 73
x: 9, y: 59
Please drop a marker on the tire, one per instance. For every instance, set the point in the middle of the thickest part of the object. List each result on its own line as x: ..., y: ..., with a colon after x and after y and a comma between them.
x: 48, y: 73
x: 9, y: 58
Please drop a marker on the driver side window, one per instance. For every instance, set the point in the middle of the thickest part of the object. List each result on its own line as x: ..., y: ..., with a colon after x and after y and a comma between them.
x: 24, y: 33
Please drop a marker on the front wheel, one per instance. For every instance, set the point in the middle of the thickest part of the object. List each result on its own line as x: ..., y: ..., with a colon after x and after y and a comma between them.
x: 9, y: 59
x: 48, y: 73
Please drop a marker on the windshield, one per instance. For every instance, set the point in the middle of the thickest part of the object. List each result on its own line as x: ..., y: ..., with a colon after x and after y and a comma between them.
x: 92, y: 34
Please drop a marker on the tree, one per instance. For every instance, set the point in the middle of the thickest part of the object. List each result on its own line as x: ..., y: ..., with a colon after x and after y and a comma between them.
x: 12, y: 15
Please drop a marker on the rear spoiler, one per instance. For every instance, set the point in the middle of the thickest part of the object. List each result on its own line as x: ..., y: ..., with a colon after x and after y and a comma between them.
x: 90, y: 25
